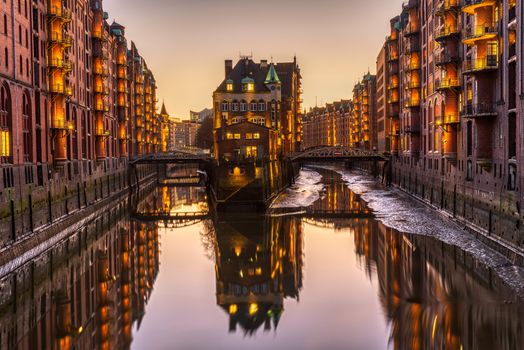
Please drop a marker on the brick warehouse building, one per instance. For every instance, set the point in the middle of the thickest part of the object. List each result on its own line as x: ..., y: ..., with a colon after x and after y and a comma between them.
x: 76, y: 103
x: 328, y: 125
x: 453, y: 72
x: 257, y: 110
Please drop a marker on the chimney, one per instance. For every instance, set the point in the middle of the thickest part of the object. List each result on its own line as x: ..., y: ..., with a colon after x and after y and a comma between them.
x: 229, y: 67
x: 263, y: 64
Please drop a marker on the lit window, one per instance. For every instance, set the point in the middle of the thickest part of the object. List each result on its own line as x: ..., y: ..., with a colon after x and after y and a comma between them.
x: 250, y: 87
x: 256, y: 136
x: 4, y: 144
x: 229, y: 86
x: 237, y: 136
x: 249, y: 136
x: 229, y: 136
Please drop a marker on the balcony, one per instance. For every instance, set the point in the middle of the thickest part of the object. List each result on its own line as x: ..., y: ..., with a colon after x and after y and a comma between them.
x: 62, y: 124
x: 470, y: 6
x: 446, y: 6
x: 99, y: 107
x: 412, y: 47
x: 393, y: 85
x: 101, y: 89
x: 57, y: 38
x: 445, y: 32
x: 479, y: 110
x: 447, y: 84
x: 480, y: 65
x: 100, y: 35
x: 60, y: 89
x: 411, y: 29
x: 412, y: 85
x: 474, y: 33
x: 449, y: 119
x: 412, y: 102
x: 59, y: 12
x: 101, y: 71
x: 392, y: 57
x: 444, y: 58
x: 512, y: 14
x: 57, y: 63
x: 414, y: 65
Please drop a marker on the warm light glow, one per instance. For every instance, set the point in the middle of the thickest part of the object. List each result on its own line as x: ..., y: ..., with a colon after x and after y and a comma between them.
x: 5, y: 150
x: 253, y: 308
x: 233, y: 308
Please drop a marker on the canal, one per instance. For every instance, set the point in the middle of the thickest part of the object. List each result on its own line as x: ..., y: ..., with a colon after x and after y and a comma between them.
x: 321, y: 271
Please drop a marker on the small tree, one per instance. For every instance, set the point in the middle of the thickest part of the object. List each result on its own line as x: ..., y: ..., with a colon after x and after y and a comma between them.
x: 204, y: 137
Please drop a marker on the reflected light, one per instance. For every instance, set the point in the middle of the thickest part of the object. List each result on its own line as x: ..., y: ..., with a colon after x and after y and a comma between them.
x: 253, y: 308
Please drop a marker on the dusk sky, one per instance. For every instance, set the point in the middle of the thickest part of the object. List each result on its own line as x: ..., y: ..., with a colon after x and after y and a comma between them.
x: 185, y: 42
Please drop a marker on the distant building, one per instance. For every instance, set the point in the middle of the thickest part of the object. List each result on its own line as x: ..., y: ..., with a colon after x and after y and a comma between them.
x: 199, y: 117
x: 328, y: 125
x: 185, y: 133
x: 363, y: 131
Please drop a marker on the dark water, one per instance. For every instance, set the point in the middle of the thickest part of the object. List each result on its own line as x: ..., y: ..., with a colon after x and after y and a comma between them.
x: 315, y: 280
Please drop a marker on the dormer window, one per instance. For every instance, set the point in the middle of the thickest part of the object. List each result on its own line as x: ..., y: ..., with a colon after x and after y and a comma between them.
x: 229, y: 85
x: 248, y: 85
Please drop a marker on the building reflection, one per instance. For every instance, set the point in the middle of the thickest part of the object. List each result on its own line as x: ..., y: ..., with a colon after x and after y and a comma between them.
x: 258, y: 265
x: 165, y: 200
x: 434, y: 295
x: 87, y: 291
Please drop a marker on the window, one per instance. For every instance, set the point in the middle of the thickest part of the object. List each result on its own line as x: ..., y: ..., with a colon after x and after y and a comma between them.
x: 261, y: 106
x: 27, y: 129
x: 256, y: 136
x: 229, y: 86
x: 253, y: 106
x: 234, y: 106
x: 243, y: 106
x: 5, y: 125
x: 225, y: 106
x: 237, y: 136
x: 249, y: 136
x: 229, y: 136
x: 251, y: 151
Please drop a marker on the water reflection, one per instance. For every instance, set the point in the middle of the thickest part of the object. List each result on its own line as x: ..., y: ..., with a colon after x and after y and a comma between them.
x: 258, y: 264
x: 95, y: 289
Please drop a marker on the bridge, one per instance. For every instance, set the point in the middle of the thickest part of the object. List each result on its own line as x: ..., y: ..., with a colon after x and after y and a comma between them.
x: 336, y: 153
x: 176, y: 157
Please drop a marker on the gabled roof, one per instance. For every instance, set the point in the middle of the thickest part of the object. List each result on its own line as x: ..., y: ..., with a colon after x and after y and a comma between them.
x: 244, y: 70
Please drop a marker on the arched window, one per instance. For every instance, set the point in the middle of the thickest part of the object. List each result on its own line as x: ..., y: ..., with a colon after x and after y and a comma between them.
x: 243, y: 106
x: 5, y: 125
x: 234, y: 106
x: 253, y: 106
x: 261, y: 106
x: 27, y: 128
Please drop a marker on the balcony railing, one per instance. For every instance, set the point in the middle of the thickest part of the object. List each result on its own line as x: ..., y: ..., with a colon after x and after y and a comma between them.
x: 59, y: 64
x: 412, y: 47
x: 480, y: 32
x: 447, y: 83
x: 444, y: 58
x: 412, y: 103
x: 60, y: 89
x: 101, y: 71
x: 60, y: 39
x: 479, y: 65
x: 448, y: 119
x: 411, y: 29
x: 470, y: 5
x: 101, y: 35
x: 62, y: 124
x: 447, y: 5
x: 415, y: 65
x: 445, y: 32
x: 479, y: 110
x: 412, y: 85
x: 59, y: 12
